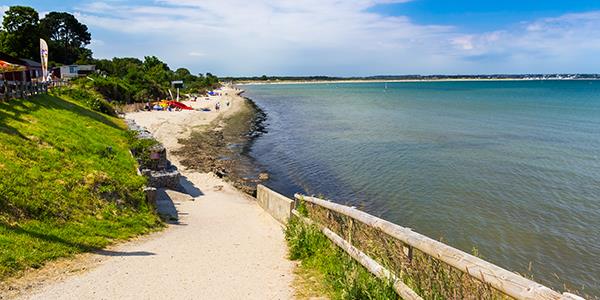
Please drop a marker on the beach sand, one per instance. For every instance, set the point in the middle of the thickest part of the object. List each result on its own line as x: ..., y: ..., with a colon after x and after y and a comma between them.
x: 224, y: 246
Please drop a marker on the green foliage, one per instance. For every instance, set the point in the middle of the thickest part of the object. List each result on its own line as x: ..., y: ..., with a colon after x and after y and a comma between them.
x: 67, y: 182
x: 343, y: 277
x: 126, y: 80
x: 20, y: 33
x: 123, y: 80
x: 66, y: 36
x: 141, y: 148
x: 86, y: 97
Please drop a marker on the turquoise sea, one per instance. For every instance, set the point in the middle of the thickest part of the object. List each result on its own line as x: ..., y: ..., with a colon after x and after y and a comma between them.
x: 511, y: 168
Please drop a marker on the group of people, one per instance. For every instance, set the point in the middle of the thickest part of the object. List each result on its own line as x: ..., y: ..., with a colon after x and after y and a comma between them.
x: 218, y: 105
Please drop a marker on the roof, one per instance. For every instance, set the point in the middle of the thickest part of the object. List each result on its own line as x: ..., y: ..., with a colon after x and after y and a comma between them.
x: 10, y: 59
x: 31, y: 63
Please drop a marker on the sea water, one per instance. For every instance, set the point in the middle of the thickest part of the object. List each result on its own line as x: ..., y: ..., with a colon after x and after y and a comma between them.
x: 511, y: 168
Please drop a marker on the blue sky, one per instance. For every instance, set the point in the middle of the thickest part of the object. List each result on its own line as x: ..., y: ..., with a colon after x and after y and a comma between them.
x: 340, y: 37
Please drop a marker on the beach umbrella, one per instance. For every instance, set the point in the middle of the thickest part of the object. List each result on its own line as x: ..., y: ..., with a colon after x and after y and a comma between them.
x: 6, y: 67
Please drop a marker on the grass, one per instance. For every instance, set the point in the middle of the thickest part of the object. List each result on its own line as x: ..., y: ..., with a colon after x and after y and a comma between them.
x: 68, y: 183
x: 331, y: 269
x: 425, y: 275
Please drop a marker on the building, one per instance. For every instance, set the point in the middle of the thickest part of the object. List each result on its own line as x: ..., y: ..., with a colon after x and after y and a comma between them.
x: 73, y: 71
x: 16, y: 69
x: 34, y: 70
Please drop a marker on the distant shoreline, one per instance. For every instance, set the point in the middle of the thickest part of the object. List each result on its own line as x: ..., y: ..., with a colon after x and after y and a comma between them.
x: 261, y: 82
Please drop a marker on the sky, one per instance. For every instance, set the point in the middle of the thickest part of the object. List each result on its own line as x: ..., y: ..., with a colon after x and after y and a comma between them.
x: 344, y: 37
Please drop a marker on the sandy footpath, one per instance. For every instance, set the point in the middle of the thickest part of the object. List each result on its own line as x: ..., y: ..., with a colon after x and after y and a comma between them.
x: 224, y: 246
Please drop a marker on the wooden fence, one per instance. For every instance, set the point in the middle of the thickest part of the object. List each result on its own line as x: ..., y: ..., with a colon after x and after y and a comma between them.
x: 20, y: 89
x: 418, y: 266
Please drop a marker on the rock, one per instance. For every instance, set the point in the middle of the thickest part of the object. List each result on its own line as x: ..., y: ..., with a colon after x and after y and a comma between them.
x: 220, y: 173
x: 263, y: 176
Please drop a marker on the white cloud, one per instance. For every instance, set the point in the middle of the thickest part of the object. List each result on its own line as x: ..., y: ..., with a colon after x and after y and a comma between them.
x: 3, y: 9
x: 567, y: 43
x: 334, y: 37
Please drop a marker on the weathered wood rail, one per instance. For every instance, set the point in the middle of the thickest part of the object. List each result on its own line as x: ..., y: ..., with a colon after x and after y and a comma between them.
x: 21, y: 89
x: 414, y: 248
x: 504, y: 281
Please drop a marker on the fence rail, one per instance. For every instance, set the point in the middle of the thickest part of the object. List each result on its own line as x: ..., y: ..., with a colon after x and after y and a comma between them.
x: 20, y: 89
x: 415, y: 257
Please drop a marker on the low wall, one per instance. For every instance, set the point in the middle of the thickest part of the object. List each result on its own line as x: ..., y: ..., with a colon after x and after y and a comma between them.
x: 277, y: 205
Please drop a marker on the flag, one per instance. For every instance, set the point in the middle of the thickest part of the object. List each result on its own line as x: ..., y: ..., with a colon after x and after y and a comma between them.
x: 44, y: 57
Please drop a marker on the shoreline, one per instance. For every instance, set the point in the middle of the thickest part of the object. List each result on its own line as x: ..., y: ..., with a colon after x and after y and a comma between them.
x: 222, y: 147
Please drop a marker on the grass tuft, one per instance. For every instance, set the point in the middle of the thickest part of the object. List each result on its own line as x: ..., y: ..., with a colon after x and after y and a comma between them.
x: 337, y: 272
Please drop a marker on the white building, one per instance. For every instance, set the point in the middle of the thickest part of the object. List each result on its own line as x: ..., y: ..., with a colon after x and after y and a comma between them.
x: 72, y: 71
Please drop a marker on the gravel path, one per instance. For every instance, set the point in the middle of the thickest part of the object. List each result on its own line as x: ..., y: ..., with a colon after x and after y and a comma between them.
x: 223, y: 246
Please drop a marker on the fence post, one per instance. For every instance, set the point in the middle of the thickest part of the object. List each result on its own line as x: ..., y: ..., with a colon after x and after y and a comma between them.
x: 408, y: 251
x: 350, y: 228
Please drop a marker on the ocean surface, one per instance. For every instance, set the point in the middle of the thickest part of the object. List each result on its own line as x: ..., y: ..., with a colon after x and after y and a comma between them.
x: 511, y: 168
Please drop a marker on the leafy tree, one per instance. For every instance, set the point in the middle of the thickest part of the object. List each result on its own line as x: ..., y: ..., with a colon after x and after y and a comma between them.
x: 153, y: 63
x: 20, y: 35
x: 182, y: 74
x: 66, y: 36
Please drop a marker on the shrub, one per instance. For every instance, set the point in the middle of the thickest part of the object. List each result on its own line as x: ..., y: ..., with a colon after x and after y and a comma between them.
x: 87, y: 98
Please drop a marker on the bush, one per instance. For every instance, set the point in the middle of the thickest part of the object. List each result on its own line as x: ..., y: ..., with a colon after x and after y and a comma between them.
x: 112, y: 88
x: 87, y: 98
x: 141, y: 148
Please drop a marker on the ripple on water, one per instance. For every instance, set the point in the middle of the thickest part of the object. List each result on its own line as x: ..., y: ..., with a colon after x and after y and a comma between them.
x: 511, y: 168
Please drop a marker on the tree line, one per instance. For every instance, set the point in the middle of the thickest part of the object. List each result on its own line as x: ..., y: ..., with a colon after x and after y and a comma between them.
x: 122, y: 80
x: 22, y: 29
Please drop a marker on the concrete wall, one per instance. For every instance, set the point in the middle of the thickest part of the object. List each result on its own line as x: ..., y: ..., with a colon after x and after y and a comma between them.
x: 279, y: 206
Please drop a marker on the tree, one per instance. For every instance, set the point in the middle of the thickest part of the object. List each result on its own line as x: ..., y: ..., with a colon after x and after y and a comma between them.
x: 182, y: 73
x: 66, y: 37
x: 20, y: 35
x: 153, y: 62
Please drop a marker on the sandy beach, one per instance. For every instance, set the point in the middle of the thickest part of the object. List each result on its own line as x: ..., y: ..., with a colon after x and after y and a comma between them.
x: 223, y: 246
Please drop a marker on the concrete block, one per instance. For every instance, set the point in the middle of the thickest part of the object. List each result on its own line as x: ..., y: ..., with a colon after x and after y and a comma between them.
x: 277, y: 205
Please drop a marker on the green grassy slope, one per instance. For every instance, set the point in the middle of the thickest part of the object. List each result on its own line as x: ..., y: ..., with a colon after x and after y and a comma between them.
x: 67, y: 182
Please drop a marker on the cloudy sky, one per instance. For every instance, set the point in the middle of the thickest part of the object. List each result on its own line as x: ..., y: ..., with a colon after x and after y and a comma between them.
x: 345, y: 37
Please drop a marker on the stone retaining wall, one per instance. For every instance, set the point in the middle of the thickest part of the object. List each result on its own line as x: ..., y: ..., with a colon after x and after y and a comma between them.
x: 160, y: 173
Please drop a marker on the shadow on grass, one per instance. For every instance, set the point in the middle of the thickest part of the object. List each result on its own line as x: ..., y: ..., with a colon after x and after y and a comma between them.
x: 123, y: 254
x: 80, y: 247
x: 16, y: 108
